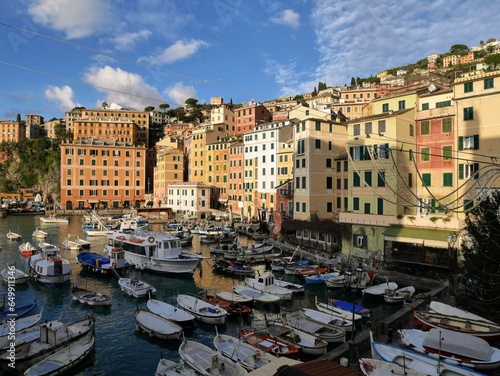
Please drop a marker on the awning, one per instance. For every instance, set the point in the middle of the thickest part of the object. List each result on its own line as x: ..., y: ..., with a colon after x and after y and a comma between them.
x: 427, y: 237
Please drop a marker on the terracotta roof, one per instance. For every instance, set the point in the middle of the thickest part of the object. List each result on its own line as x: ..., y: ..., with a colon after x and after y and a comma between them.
x: 319, y: 367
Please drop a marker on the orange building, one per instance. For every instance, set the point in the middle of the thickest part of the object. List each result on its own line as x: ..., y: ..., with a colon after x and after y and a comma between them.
x: 12, y: 131
x: 102, y: 173
x: 249, y: 115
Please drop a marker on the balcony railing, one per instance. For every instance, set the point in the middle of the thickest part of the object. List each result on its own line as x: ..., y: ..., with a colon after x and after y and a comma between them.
x: 286, y: 192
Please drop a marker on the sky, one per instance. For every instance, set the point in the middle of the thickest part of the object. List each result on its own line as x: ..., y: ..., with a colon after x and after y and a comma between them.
x: 59, y: 54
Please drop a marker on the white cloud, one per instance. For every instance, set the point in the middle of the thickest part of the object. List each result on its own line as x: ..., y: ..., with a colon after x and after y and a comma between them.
x: 179, y: 93
x: 127, y: 41
x: 63, y: 95
x: 77, y: 19
x: 287, y: 78
x: 288, y: 18
x: 125, y: 88
x: 178, y: 51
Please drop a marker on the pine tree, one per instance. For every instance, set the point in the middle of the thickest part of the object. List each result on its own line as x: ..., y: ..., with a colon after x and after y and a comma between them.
x: 478, y: 290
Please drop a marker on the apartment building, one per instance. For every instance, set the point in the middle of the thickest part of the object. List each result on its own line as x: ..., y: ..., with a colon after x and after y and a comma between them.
x: 250, y: 115
x: 12, y: 131
x: 223, y: 116
x: 236, y: 171
x: 217, y: 166
x: 192, y: 200
x: 50, y: 127
x: 169, y: 167
x: 352, y: 101
x: 102, y: 173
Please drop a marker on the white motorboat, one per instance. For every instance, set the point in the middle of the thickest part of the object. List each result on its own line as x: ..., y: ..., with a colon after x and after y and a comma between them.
x: 294, y: 287
x: 54, y: 219
x: 136, y: 288
x: 239, y: 351
x: 452, y: 347
x: 327, y: 332
x: 172, y: 313
x: 49, y: 268
x: 170, y: 368
x: 307, y: 343
x: 256, y: 295
x: 64, y: 359
x: 155, y: 251
x: 378, y: 291
x: 156, y: 325
x: 327, y: 318
x: 51, y: 337
x: 376, y: 367
x: 208, y: 362
x: 417, y: 362
x: 400, y: 295
x: 12, y: 275
x: 39, y: 234
x: 233, y: 297
x: 91, y: 298
x: 202, y: 310
x: 336, y: 282
x: 13, y: 236
x: 265, y: 283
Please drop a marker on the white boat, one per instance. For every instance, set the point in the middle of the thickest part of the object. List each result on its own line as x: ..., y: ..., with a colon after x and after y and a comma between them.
x: 378, y: 291
x: 233, y: 297
x: 169, y: 368
x: 154, y: 251
x: 132, y: 223
x: 446, y: 309
x: 294, y: 287
x: 202, y: 310
x: 27, y: 249
x: 172, y: 313
x: 418, y: 362
x: 13, y: 236
x: 452, y: 347
x: 307, y: 343
x: 327, y: 332
x: 54, y: 219
x: 208, y: 362
x: 265, y: 283
x: 12, y: 275
x: 91, y: 298
x: 320, y: 278
x: 256, y: 295
x: 399, y: 295
x: 136, y: 288
x: 39, y: 234
x: 336, y: 282
x: 327, y: 318
x: 64, y: 359
x: 239, y: 351
x: 51, y: 337
x: 377, y: 367
x: 21, y: 324
x: 49, y: 268
x: 74, y: 243
x: 336, y: 311
x: 156, y: 325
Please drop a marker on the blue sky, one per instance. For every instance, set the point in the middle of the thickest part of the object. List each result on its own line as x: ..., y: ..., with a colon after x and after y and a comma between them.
x: 58, y: 54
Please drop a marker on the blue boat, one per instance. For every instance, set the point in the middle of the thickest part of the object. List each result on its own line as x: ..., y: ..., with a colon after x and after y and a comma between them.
x: 347, y: 306
x: 98, y: 263
x: 17, y: 312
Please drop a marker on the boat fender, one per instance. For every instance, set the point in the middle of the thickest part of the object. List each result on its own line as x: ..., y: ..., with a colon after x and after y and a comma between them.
x: 151, y: 239
x: 153, y: 262
x: 113, y: 265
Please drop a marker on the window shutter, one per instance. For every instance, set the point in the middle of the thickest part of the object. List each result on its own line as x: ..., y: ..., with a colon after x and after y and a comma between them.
x: 476, y: 142
x: 351, y: 152
x: 476, y: 170
x: 461, y: 144
x: 460, y: 171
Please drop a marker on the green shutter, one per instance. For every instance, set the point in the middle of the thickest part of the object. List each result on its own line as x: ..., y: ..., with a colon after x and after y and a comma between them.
x: 476, y: 142
x: 461, y: 144
x: 351, y: 152
x: 476, y: 170
x: 433, y: 205
x: 460, y: 171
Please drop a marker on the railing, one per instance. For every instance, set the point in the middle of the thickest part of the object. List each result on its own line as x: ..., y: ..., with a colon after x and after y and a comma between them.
x: 442, y: 258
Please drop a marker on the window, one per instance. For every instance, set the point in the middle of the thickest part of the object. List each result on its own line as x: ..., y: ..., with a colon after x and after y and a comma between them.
x: 368, y: 178
x: 425, y: 155
x: 468, y: 171
x: 328, y: 163
x: 329, y: 207
x: 411, y: 130
x: 368, y: 128
x: 357, y: 153
x: 443, y: 104
x: 359, y: 241
x: 426, y: 180
x: 317, y: 144
x: 301, y: 147
x: 355, y: 203
x: 380, y: 206
x: 339, y: 183
x: 425, y: 106
x: 303, y: 182
x: 356, y: 180
x: 356, y: 129
x: 381, y: 179
x: 367, y: 208
x: 468, y: 142
x: 468, y: 113
x: 488, y: 83
x: 402, y: 105
x: 446, y: 153
x: 304, y: 207
x: 385, y: 107
x: 446, y: 125
x: 329, y: 182
x: 468, y: 87
x: 303, y: 162
x: 381, y: 126
x: 424, y: 127
x: 317, y: 126
x: 427, y: 205
x: 447, y: 179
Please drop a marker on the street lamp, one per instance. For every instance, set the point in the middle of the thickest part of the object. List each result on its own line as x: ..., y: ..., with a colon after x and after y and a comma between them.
x: 352, y: 280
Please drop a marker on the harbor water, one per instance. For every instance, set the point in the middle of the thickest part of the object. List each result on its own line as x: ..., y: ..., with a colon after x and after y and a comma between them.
x: 119, y: 348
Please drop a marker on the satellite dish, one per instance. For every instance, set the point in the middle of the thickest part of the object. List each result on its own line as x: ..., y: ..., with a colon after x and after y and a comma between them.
x: 432, y: 88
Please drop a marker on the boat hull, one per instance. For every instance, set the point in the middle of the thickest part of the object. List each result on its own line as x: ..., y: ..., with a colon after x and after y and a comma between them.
x: 168, y: 266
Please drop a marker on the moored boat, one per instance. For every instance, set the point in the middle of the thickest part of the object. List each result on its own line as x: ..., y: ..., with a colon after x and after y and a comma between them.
x: 202, y: 310
x: 12, y: 275
x: 265, y: 283
x: 54, y: 219
x: 13, y: 235
x: 307, y: 343
x: 232, y: 296
x: 156, y: 325
x: 256, y: 295
x: 91, y: 298
x: 17, y: 311
x: 335, y: 282
x: 49, y: 268
x: 333, y: 310
x: 27, y: 249
x: 168, y: 367
x: 233, y: 309
x: 377, y: 367
x: 327, y: 318
x: 327, y: 332
x: 378, y: 291
x: 399, y: 295
x: 136, y: 288
x: 348, y: 306
x: 449, y: 310
x: 269, y: 343
x: 39, y: 234
x: 97, y: 263
x: 175, y: 314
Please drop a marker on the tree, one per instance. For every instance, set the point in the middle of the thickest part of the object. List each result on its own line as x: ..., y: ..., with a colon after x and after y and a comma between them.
x: 191, y: 101
x: 478, y: 290
x: 149, y: 108
x: 353, y: 81
x: 164, y: 106
x: 105, y: 105
x: 18, y: 119
x: 492, y: 59
x: 459, y: 49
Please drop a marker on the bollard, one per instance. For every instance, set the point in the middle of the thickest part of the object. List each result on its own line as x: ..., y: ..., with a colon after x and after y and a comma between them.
x: 352, y: 352
x: 389, y: 335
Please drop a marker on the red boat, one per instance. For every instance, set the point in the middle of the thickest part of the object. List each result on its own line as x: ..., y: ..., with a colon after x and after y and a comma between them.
x: 232, y: 308
x: 269, y: 344
x: 312, y: 271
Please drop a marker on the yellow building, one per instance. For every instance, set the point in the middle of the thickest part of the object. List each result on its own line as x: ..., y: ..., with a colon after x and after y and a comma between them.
x: 12, y: 131
x: 169, y: 167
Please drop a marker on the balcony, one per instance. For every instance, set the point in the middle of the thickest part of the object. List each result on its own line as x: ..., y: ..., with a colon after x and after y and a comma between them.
x: 286, y: 193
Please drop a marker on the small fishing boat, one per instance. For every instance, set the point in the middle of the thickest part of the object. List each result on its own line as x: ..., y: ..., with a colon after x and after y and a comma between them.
x: 172, y: 313
x: 452, y: 347
x: 202, y: 310
x: 136, y: 288
x: 49, y: 268
x: 295, y: 288
x: 105, y: 265
x: 307, y: 343
x: 231, y: 296
x: 446, y: 309
x: 13, y: 236
x: 320, y: 278
x: 39, y: 234
x: 333, y: 310
x: 378, y: 291
x: 208, y: 362
x: 27, y: 249
x: 64, y: 359
x: 265, y: 283
x: 54, y: 219
x: 327, y: 332
x: 399, y: 295
x: 327, y: 318
x: 269, y: 343
x: 250, y: 357
x: 20, y: 325
x: 348, y: 306
x: 336, y: 282
x: 156, y: 325
x: 232, y: 268
x: 170, y: 368
x: 233, y: 309
x: 91, y: 298
x: 14, y: 276
x: 256, y: 295
x: 376, y: 367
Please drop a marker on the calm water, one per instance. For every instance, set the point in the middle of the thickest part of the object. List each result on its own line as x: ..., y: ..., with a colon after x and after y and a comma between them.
x: 120, y: 349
